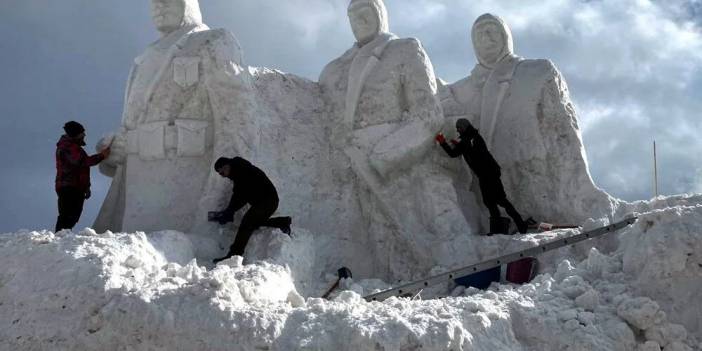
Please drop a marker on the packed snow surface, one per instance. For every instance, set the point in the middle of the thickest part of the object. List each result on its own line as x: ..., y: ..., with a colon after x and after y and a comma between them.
x: 118, y: 291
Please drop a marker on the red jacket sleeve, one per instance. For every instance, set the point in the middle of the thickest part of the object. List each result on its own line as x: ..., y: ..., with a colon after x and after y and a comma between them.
x: 94, y: 160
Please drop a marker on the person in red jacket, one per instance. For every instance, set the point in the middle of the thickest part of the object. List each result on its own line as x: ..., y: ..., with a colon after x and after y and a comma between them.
x: 73, y: 174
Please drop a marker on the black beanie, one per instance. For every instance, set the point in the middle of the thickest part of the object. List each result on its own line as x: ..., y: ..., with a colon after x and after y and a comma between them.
x: 73, y: 128
x: 463, y: 123
x: 221, y: 162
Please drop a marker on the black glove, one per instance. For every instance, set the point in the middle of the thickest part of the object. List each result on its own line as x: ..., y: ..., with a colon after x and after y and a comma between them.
x: 87, y: 194
x: 221, y: 217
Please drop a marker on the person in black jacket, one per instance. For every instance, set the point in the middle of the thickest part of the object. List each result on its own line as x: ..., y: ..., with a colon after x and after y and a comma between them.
x: 251, y: 186
x: 475, y: 152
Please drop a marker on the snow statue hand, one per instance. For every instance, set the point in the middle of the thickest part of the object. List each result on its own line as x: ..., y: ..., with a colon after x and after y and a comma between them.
x: 440, y: 138
x: 114, y: 148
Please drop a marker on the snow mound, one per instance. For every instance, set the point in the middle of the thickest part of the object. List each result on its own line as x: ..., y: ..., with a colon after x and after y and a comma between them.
x: 86, y: 291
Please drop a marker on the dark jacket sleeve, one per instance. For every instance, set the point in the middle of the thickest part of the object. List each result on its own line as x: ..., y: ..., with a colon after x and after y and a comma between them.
x: 455, y: 151
x: 236, y: 203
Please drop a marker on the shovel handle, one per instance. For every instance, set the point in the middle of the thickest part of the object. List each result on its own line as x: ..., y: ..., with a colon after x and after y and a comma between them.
x: 333, y: 287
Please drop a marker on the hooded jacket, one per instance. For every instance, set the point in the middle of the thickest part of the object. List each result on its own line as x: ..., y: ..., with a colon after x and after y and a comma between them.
x: 473, y: 149
x: 191, y: 14
x: 251, y: 186
x: 73, y: 165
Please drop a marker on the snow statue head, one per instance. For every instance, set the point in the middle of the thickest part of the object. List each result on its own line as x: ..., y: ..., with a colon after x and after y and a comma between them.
x: 369, y: 18
x: 170, y: 15
x: 492, y: 40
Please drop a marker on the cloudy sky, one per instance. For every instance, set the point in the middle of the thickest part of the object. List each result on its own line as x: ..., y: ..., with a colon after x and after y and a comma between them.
x: 633, y: 68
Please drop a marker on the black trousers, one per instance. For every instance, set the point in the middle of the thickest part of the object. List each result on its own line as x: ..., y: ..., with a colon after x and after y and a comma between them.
x: 257, y: 216
x: 493, y: 195
x: 70, y: 207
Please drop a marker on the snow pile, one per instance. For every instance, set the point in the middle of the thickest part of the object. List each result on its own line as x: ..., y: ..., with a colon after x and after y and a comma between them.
x: 87, y: 291
x: 98, y: 292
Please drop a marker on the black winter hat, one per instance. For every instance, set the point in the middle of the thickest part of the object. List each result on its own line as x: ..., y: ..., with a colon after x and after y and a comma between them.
x: 463, y: 123
x: 73, y: 128
x: 221, y: 162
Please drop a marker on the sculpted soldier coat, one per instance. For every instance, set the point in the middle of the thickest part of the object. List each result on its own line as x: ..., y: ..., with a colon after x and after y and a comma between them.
x: 384, y: 113
x: 181, y: 92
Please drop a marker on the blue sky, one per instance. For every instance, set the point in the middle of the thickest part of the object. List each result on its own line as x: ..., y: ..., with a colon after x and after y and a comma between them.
x: 633, y: 68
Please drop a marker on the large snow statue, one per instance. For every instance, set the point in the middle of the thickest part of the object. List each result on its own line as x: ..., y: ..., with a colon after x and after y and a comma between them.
x: 181, y: 91
x: 381, y: 96
x: 523, y: 110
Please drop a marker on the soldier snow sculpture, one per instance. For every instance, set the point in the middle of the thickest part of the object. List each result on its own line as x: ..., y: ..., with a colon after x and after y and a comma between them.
x: 182, y: 92
x: 523, y: 110
x: 381, y: 96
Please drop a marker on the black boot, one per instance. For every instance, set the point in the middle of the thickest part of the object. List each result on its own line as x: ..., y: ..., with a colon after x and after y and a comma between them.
x: 522, y: 227
x: 286, y: 228
x: 499, y: 225
x: 282, y: 223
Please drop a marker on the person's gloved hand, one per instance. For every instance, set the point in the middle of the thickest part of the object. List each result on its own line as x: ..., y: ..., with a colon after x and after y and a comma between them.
x: 223, y: 217
x: 87, y: 194
x: 455, y: 142
x: 105, y: 153
x: 440, y: 138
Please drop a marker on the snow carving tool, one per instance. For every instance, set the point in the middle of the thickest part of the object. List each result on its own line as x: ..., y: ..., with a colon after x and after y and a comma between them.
x: 547, y: 227
x: 342, y: 273
x: 496, y: 263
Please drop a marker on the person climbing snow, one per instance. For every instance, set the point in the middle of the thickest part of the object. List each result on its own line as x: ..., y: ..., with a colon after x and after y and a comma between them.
x: 73, y: 174
x: 472, y: 146
x: 251, y: 186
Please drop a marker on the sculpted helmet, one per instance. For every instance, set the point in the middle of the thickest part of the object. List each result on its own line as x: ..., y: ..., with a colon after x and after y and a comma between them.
x: 192, y: 15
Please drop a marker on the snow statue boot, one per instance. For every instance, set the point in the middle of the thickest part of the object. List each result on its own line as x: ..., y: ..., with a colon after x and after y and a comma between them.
x: 499, y: 225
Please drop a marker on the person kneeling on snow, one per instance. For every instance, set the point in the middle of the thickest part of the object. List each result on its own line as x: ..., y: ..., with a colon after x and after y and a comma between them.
x: 475, y: 152
x: 251, y: 186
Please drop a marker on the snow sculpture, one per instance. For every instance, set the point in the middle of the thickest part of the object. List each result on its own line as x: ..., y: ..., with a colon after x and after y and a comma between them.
x: 381, y: 96
x: 523, y: 110
x: 181, y: 92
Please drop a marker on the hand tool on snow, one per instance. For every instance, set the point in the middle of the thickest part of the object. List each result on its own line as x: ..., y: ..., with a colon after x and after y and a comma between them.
x: 342, y: 273
x: 409, y: 288
x: 547, y: 227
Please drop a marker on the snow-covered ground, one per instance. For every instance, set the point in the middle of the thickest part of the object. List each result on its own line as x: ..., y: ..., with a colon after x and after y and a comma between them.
x: 89, y: 291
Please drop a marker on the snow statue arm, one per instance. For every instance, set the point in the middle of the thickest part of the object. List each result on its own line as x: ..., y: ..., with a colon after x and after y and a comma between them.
x: 118, y: 145
x: 230, y: 90
x: 421, y: 115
